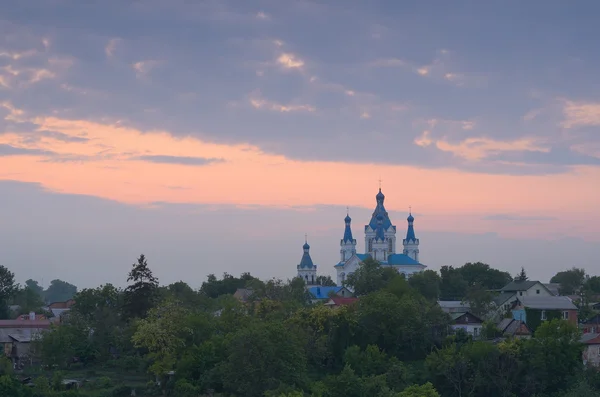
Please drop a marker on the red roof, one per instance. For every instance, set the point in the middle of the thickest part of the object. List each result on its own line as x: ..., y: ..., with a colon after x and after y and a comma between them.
x: 24, y: 323
x: 340, y: 301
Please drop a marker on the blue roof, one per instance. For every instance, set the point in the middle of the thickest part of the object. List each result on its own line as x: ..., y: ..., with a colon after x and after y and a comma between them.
x: 380, y: 211
x: 306, y: 261
x: 410, y: 233
x: 348, y: 230
x: 401, y: 260
x: 319, y: 292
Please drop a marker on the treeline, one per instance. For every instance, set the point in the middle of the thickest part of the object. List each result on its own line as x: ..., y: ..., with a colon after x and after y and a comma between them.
x: 393, y: 342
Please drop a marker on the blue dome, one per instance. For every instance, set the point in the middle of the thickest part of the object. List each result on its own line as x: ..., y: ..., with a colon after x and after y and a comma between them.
x: 410, y: 218
x: 347, y: 219
x: 379, y: 218
x: 380, y: 196
x: 306, y: 246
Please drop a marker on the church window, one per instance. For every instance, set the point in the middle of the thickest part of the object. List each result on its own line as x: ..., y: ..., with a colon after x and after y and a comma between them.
x: 370, y: 245
x: 390, y: 245
x: 313, y: 279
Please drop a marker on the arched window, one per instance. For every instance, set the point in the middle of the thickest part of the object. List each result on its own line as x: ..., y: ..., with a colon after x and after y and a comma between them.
x: 370, y: 245
x: 390, y: 246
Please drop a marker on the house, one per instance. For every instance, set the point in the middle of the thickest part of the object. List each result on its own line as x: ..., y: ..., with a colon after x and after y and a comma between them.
x: 454, y: 306
x: 321, y: 293
x: 514, y: 328
x: 591, y: 326
x: 467, y: 321
x: 591, y: 350
x: 243, y: 294
x: 337, y: 301
x: 533, y: 310
x: 553, y: 288
x: 16, y: 336
x: 518, y: 288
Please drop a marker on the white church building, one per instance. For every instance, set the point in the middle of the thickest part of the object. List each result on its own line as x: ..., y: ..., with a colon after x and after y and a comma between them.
x: 380, y: 244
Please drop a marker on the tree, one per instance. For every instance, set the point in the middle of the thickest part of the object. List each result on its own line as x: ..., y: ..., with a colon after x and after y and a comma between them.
x: 427, y: 283
x: 481, y: 301
x: 571, y: 281
x: 261, y: 357
x: 453, y: 286
x: 325, y: 281
x: 484, y: 275
x: 426, y: 390
x: 59, y: 291
x: 369, y: 277
x: 522, y: 276
x: 214, y: 287
x: 8, y: 288
x: 29, y: 300
x: 142, y: 294
x: 34, y: 285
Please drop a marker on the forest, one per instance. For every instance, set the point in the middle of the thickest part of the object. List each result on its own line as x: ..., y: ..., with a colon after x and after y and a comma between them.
x: 394, y: 341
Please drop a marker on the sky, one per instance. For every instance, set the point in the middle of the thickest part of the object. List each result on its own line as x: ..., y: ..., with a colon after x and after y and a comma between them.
x: 213, y: 135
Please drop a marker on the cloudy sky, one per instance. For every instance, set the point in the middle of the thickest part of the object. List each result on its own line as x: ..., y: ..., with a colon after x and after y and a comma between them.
x: 212, y: 135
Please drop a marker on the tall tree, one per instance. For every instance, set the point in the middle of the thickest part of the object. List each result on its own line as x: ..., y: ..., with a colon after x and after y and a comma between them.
x: 484, y: 275
x: 453, y: 285
x: 29, y: 300
x: 571, y: 281
x: 325, y: 281
x: 8, y: 288
x: 35, y: 286
x: 59, y: 291
x: 522, y: 276
x: 370, y: 277
x: 427, y: 283
x: 140, y: 296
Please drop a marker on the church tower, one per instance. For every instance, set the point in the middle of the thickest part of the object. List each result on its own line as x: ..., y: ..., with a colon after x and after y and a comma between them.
x: 306, y: 269
x: 347, y: 244
x: 380, y: 234
x: 411, y: 243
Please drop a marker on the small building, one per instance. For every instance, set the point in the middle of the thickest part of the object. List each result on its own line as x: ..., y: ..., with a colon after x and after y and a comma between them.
x: 454, y: 306
x: 514, y: 328
x: 516, y: 289
x: 16, y: 336
x: 591, y: 350
x: 467, y: 321
x: 338, y: 301
x: 591, y: 326
x: 533, y: 310
x: 243, y: 294
x: 322, y: 294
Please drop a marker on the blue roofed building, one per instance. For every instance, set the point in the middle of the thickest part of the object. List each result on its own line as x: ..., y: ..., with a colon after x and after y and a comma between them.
x: 380, y: 244
x: 307, y: 270
x: 322, y: 293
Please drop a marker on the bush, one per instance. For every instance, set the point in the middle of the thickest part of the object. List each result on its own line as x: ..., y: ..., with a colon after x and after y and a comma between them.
x: 104, y: 382
x: 121, y: 391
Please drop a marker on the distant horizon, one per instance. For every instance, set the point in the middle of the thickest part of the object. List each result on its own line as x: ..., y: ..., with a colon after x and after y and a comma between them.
x: 212, y: 136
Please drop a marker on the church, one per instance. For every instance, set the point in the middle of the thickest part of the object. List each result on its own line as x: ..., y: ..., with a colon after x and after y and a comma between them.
x: 380, y: 244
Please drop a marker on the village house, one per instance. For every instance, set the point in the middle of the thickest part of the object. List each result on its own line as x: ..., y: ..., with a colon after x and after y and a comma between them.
x: 243, y: 294
x: 338, y: 301
x: 591, y: 326
x: 514, y: 328
x: 468, y: 322
x: 591, y: 350
x: 322, y: 294
x: 517, y: 289
x: 16, y: 336
x: 533, y: 310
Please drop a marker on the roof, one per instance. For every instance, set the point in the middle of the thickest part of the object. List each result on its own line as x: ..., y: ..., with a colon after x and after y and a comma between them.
x: 456, y: 316
x: 410, y: 233
x: 348, y: 230
x: 306, y: 261
x: 320, y: 292
x: 513, y: 327
x: 243, y: 293
x: 380, y: 210
x: 547, y: 302
x: 518, y: 285
x: 21, y: 335
x: 24, y: 323
x: 361, y: 257
x: 401, y: 260
x: 341, y: 301
x: 452, y: 304
x: 503, y: 298
x: 553, y: 288
x: 589, y: 338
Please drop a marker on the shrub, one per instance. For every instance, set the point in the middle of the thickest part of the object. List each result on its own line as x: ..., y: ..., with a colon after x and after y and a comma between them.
x: 104, y: 382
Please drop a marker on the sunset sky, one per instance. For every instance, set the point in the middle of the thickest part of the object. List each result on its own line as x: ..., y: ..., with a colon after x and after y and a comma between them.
x: 212, y: 135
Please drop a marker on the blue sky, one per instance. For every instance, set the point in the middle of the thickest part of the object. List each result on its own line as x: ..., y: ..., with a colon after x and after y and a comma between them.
x: 256, y: 113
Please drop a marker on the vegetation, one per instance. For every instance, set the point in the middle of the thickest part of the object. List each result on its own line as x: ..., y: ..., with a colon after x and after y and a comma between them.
x: 393, y: 342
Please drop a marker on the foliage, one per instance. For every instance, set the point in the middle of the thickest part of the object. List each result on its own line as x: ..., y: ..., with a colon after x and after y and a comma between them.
x: 143, y: 293
x: 29, y: 300
x: 213, y: 287
x: 427, y: 283
x: 325, y: 281
x: 59, y: 291
x: 369, y: 277
x: 534, y: 317
x: 480, y: 300
x: 8, y: 288
x: 456, y: 282
x: 571, y: 281
x: 426, y: 390
x: 522, y: 276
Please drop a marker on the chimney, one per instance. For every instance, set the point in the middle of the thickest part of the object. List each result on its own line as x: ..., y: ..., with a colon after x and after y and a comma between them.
x: 32, y: 316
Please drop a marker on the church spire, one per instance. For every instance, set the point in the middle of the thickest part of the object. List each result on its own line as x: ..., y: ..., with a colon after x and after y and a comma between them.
x: 348, y: 243
x: 411, y: 242
x: 307, y: 270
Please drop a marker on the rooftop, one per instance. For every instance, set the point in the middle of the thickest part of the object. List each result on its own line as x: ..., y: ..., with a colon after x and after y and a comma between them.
x: 518, y: 285
x: 547, y: 302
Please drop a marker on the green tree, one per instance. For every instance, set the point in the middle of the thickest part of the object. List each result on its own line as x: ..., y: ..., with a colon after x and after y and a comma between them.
x: 480, y: 300
x: 261, y: 357
x: 427, y: 283
x: 522, y: 276
x: 140, y: 296
x: 453, y: 286
x: 325, y: 281
x: 214, y: 287
x: 571, y: 281
x: 426, y: 390
x: 59, y: 291
x: 29, y: 300
x: 9, y: 386
x: 479, y: 273
x: 369, y: 277
x: 35, y: 286
x: 8, y: 288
